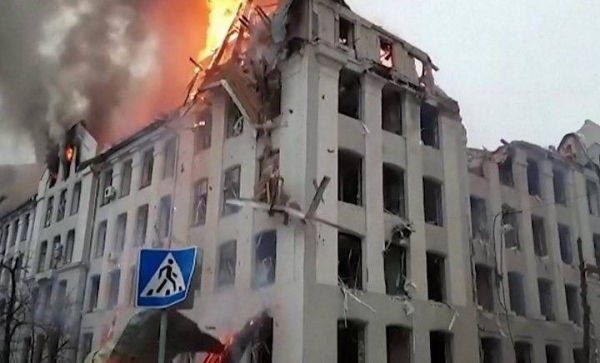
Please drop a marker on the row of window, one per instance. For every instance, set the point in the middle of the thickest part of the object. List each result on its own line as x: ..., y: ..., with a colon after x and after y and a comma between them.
x: 59, y: 253
x: 17, y: 229
x: 62, y: 204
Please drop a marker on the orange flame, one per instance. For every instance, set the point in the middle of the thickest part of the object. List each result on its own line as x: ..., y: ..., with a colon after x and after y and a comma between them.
x: 221, y: 15
x: 69, y: 152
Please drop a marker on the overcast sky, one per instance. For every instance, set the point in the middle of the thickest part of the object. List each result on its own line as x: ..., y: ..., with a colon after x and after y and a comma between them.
x: 527, y: 70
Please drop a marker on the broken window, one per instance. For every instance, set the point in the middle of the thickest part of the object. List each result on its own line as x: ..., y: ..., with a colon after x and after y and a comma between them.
x: 75, y: 198
x: 48, y: 215
x: 265, y: 257
x: 141, y: 225
x: 100, y: 239
x: 202, y: 131
x: 113, y: 292
x: 485, y: 287
x: 200, y: 195
x: 516, y: 293
x: 346, y: 32
x: 94, y: 292
x: 270, y: 183
x: 523, y: 352
x: 510, y: 227
x: 70, y: 245
x: 491, y: 350
x: 552, y: 354
x: 545, y: 293
x: 231, y: 190
x: 349, y: 177
x: 398, y: 344
x: 564, y: 238
x: 592, y: 196
x: 121, y: 231
x: 170, y: 152
x: 440, y: 347
x: 62, y: 205
x: 57, y: 250
x: 147, y: 168
x: 349, y: 94
x: 25, y: 227
x: 505, y: 172
x: 262, y: 342
x: 560, y: 193
x: 432, y: 202
x: 42, y: 256
x: 533, y: 178
x: 350, y: 260
x: 573, y: 304
x: 429, y: 126
x: 391, y: 110
x: 271, y: 94
x: 479, y: 219
x: 227, y: 263
x: 596, y: 240
x: 386, y: 52
x: 351, y: 341
x: 394, y: 261
x: 107, y: 181
x: 436, y: 277
x: 393, y: 190
x: 125, y: 187
x: 234, y: 119
x: 539, y: 236
x: 164, y: 217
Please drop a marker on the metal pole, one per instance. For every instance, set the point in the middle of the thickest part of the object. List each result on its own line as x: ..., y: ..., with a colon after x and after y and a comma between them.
x: 162, y: 344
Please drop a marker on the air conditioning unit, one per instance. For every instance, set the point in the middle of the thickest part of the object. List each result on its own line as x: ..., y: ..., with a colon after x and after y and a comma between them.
x: 109, y: 193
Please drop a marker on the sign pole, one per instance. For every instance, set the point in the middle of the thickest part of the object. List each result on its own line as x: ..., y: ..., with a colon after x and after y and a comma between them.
x: 162, y: 344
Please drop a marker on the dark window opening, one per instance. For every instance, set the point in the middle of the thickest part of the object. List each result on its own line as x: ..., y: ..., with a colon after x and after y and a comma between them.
x: 350, y: 260
x: 533, y: 178
x: 164, y: 217
x: 485, y: 287
x: 57, y: 251
x: 596, y: 240
x: 398, y: 344
x: 262, y: 343
x: 170, y: 154
x: 200, y: 193
x: 113, y: 292
x: 516, y: 293
x: 94, y: 291
x: 70, y: 245
x: 349, y: 177
x: 573, y: 304
x: 147, y: 168
x: 141, y: 225
x: 552, y: 354
x: 121, y: 232
x: 395, y: 260
x: 25, y: 227
x: 227, y: 264
x: 523, y: 352
x: 346, y: 32
x: 391, y: 111
x: 350, y: 342
x: 107, y: 181
x: 592, y: 196
x: 440, y: 347
x: 510, y: 227
x: 505, y: 172
x: 42, y: 256
x: 479, y: 219
x: 231, y: 190
x: 265, y: 258
x: 491, y: 350
x: 430, y: 126
x: 539, y: 236
x: 386, y: 53
x: 436, y: 277
x: 125, y: 186
x: 271, y: 94
x: 75, y: 198
x: 432, y: 202
x: 545, y: 293
x: 578, y: 356
x: 349, y: 93
x: 564, y: 238
x: 62, y: 206
x: 558, y: 180
x: 86, y: 344
x: 393, y: 190
x: 268, y: 189
x: 234, y: 120
x: 202, y: 131
x: 48, y: 215
x: 100, y: 239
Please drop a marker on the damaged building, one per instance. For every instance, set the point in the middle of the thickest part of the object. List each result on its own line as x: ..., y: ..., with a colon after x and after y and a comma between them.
x: 322, y: 174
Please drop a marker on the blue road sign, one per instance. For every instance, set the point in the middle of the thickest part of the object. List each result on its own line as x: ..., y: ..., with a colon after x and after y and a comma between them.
x: 164, y: 276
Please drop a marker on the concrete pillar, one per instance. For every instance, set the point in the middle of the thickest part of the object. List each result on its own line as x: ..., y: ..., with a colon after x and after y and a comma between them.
x: 414, y: 188
x: 374, y: 240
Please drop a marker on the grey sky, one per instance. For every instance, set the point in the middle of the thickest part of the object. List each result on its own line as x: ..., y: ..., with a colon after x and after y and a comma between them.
x: 527, y: 70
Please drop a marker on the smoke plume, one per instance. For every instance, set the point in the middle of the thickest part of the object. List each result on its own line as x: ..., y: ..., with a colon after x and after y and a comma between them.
x: 113, y: 63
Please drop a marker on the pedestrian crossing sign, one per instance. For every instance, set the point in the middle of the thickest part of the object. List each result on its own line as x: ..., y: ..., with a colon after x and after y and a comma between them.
x: 164, y: 276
